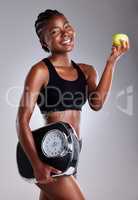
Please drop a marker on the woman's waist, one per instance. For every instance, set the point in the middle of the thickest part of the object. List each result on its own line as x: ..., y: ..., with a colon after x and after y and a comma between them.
x: 69, y: 116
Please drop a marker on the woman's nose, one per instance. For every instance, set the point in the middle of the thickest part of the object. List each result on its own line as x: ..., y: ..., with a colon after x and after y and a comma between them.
x: 65, y: 33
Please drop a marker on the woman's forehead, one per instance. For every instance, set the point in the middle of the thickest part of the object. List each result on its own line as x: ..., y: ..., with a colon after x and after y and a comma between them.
x: 56, y: 21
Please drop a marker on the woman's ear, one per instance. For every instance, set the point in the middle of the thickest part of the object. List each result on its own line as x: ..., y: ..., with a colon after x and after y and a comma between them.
x: 44, y: 44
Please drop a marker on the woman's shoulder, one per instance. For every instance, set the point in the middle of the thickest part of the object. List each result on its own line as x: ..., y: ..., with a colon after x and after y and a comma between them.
x: 39, y: 66
x: 38, y: 72
x: 87, y: 69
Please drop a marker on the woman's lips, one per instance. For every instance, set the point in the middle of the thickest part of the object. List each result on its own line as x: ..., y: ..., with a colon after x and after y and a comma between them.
x: 67, y: 42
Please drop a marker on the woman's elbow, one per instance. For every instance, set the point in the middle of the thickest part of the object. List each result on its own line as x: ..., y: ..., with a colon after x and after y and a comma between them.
x: 96, y: 106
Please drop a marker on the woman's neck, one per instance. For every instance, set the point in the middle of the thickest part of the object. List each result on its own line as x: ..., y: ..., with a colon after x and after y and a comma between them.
x: 60, y: 59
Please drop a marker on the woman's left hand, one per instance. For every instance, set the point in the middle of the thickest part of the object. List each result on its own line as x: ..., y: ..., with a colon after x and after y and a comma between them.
x: 118, y: 51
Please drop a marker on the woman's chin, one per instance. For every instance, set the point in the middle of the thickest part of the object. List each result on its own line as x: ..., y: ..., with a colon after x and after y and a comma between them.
x: 68, y: 48
x: 62, y: 51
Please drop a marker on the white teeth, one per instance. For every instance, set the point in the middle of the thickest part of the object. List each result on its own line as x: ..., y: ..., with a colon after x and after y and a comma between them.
x: 66, y: 41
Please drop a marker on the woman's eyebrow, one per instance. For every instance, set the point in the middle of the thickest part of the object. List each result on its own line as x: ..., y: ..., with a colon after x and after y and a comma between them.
x: 66, y: 21
x: 53, y: 27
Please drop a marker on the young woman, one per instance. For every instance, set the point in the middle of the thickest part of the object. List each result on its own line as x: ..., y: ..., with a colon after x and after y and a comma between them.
x: 75, y: 83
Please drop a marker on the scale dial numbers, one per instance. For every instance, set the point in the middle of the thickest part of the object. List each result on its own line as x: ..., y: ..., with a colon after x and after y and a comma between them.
x: 54, y: 143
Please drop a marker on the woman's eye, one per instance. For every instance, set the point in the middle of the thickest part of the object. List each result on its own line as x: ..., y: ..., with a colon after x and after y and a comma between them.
x: 54, y: 32
x: 67, y: 26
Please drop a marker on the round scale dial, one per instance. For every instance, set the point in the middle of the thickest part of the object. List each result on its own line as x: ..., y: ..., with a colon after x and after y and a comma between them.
x: 54, y: 143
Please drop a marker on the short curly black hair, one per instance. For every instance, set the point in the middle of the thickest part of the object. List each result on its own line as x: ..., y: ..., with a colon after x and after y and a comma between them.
x: 42, y: 21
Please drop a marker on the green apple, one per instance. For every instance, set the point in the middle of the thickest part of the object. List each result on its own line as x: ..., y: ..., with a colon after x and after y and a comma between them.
x: 117, y: 37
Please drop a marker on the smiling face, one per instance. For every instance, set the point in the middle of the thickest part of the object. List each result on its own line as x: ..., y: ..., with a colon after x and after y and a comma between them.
x: 58, y: 36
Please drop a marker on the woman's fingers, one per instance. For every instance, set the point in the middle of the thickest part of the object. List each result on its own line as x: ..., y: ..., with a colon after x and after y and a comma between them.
x: 124, y: 45
x: 47, y: 180
x: 117, y: 51
x: 121, y: 48
x: 56, y: 171
x: 114, y: 49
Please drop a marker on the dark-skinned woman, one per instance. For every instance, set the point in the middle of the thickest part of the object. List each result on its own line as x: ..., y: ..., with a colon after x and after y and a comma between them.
x: 60, y: 87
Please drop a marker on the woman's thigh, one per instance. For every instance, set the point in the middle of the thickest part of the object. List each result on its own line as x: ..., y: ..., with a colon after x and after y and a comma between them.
x: 65, y: 188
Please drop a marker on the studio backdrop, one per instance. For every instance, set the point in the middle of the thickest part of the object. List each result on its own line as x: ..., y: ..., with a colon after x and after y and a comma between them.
x: 108, y: 161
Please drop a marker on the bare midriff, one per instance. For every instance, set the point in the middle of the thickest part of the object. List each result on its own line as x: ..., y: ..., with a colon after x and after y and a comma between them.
x: 70, y: 116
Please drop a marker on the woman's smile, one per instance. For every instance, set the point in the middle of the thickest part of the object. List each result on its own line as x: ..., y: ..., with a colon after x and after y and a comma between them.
x: 67, y: 41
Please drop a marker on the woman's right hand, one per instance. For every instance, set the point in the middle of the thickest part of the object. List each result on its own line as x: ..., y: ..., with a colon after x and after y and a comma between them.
x: 42, y: 173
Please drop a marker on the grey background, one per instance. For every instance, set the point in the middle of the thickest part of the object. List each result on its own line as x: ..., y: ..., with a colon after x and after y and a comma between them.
x: 108, y: 162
